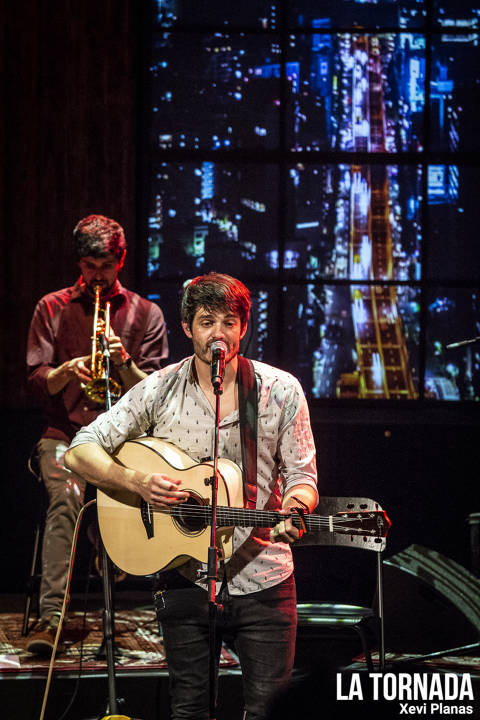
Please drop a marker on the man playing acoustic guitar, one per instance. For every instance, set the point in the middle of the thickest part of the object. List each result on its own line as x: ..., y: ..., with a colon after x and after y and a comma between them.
x: 264, y: 429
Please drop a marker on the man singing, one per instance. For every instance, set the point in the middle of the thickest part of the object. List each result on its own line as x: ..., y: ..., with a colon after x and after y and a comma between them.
x: 255, y: 585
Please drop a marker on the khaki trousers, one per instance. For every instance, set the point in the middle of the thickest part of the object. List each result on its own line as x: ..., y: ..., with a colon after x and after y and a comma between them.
x: 66, y: 492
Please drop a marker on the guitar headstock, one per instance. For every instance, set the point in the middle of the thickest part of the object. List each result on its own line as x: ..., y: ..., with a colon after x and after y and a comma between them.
x: 369, y: 523
x: 356, y: 522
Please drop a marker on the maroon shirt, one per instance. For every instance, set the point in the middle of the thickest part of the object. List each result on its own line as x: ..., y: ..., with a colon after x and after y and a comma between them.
x: 61, y: 329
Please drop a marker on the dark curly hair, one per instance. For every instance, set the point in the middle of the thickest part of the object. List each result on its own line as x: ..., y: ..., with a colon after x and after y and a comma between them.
x: 97, y: 235
x: 215, y: 292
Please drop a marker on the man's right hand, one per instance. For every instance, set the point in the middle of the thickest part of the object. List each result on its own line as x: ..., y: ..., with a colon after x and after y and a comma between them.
x: 60, y: 376
x: 162, y: 491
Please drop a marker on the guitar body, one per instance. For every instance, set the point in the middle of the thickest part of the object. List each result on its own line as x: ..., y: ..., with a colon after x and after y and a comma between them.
x: 141, y: 541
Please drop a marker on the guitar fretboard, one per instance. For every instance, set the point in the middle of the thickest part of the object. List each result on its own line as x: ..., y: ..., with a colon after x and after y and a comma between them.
x: 356, y: 523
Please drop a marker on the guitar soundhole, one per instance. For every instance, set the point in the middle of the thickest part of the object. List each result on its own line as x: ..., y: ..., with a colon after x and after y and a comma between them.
x: 192, y: 516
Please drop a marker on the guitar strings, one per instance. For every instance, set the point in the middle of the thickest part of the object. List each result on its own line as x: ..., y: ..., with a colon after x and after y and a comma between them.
x: 249, y: 518
x: 243, y: 517
x: 245, y: 513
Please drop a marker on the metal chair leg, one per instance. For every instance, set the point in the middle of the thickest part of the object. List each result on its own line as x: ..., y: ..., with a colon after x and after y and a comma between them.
x: 31, y: 581
x: 381, y: 621
x: 365, y: 647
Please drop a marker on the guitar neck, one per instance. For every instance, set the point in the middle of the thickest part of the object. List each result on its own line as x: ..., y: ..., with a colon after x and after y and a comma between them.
x: 373, y: 523
x: 243, y: 517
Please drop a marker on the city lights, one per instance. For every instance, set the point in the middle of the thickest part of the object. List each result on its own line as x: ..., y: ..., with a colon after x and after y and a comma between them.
x: 279, y: 113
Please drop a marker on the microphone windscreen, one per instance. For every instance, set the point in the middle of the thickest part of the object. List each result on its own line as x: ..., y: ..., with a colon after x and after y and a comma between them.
x: 218, y: 346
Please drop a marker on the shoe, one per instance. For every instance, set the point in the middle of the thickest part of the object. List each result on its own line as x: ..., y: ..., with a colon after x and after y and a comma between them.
x: 42, y: 639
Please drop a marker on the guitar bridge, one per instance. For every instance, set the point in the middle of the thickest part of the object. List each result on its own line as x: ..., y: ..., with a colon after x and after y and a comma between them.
x: 147, y: 518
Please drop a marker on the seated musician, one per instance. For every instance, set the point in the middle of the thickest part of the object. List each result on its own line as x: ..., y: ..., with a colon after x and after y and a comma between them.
x: 59, y: 369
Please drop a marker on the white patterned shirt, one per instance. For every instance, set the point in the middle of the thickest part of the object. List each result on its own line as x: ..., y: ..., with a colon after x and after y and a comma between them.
x: 169, y: 404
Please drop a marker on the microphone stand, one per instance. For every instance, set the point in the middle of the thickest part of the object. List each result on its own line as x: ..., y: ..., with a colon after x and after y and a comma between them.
x: 212, y: 564
x: 461, y: 343
x: 108, y: 613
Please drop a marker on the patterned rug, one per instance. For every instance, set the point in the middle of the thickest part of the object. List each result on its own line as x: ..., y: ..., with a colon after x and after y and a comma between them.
x: 137, y: 643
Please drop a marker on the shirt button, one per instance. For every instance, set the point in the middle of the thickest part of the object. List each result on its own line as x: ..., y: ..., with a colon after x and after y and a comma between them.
x: 85, y: 407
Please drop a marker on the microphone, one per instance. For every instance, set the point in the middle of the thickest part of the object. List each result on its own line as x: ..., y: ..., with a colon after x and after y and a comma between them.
x: 218, y: 349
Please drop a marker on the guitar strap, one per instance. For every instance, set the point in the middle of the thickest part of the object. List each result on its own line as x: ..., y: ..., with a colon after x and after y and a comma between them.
x: 248, y: 414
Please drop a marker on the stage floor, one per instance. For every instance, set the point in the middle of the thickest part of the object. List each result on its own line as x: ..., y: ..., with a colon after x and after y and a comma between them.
x: 141, y: 670
x: 139, y: 647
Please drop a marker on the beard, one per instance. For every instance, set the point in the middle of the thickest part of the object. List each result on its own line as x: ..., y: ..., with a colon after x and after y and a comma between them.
x: 105, y: 288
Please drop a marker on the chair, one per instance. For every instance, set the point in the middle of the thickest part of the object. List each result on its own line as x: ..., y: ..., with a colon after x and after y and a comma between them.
x: 339, y: 615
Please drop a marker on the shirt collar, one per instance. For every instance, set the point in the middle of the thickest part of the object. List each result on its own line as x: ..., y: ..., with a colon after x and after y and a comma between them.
x: 191, y: 371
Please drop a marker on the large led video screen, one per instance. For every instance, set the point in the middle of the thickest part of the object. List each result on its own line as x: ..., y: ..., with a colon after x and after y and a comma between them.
x: 325, y: 154
x: 455, y: 92
x: 355, y: 92
x: 268, y: 14
x: 453, y: 221
x: 206, y: 87
x: 344, y: 13
x: 353, y: 222
x: 346, y: 92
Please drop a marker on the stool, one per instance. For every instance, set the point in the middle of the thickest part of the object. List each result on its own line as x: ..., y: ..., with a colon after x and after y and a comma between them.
x: 340, y: 617
x: 34, y: 577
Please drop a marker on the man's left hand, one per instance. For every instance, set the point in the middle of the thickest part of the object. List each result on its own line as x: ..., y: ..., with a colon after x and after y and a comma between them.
x: 284, y: 531
x: 118, y: 354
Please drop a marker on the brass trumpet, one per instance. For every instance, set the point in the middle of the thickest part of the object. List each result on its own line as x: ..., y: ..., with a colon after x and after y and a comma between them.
x: 96, y: 388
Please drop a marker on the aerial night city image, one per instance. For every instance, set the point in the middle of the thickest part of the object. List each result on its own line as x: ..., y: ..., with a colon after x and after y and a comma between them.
x: 318, y: 151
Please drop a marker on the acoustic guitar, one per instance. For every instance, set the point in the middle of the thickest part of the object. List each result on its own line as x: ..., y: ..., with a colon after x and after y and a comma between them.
x: 142, y: 540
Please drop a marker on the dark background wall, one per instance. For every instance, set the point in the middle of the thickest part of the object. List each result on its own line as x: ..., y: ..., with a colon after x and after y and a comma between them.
x: 68, y: 141
x: 69, y: 146
x: 68, y: 136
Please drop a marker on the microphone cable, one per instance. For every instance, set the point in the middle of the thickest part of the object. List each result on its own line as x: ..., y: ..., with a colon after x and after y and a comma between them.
x: 63, y: 716
x: 64, y: 606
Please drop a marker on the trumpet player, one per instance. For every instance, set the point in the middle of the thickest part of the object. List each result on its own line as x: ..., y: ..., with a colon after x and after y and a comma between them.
x: 68, y: 328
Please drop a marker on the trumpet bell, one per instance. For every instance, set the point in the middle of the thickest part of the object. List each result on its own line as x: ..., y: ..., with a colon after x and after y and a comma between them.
x: 96, y: 390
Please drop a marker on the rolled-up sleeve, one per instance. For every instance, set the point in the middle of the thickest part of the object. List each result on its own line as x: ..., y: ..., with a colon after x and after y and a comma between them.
x: 40, y: 350
x: 296, y: 446
x: 128, y: 418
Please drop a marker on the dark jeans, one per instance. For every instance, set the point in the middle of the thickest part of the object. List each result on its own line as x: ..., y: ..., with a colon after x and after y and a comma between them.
x: 262, y: 626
